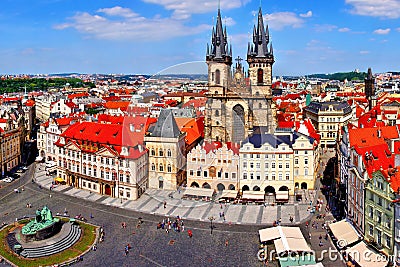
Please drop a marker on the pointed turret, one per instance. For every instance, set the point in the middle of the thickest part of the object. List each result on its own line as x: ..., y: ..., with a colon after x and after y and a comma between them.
x: 259, y: 47
x: 219, y: 50
x: 260, y: 59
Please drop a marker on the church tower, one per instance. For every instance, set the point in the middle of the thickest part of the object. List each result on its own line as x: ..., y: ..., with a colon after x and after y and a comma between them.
x: 238, y: 104
x: 369, y: 89
x: 219, y: 61
x: 219, y: 58
x: 260, y: 60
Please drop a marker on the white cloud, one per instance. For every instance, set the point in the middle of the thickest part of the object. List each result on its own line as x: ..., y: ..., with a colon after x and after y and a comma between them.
x: 364, y: 52
x: 228, y: 21
x: 118, y: 11
x: 124, y: 24
x: 382, y: 31
x: 280, y: 20
x: 376, y: 8
x: 307, y: 15
x: 183, y: 9
x: 324, y: 27
x: 344, y: 29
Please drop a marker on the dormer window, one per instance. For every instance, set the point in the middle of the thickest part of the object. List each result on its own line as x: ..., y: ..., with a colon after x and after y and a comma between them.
x: 124, y: 151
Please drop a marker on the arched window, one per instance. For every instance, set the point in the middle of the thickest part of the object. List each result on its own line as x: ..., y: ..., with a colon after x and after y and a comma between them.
x: 153, y: 167
x: 216, y: 113
x: 217, y: 77
x: 260, y: 76
x: 169, y: 169
x: 153, y: 152
x: 169, y: 153
x: 161, y: 168
x: 260, y: 105
x: 160, y: 152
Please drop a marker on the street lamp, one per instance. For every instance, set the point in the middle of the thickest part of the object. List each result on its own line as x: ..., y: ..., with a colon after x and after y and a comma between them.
x: 211, y: 218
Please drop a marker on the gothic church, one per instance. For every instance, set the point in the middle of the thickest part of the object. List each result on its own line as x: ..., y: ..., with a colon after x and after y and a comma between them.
x: 239, y: 103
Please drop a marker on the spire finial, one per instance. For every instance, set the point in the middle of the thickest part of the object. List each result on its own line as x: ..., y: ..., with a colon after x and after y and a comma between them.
x: 219, y: 4
x: 260, y: 3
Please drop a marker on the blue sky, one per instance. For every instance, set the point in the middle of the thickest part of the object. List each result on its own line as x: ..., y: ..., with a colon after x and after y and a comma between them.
x: 148, y: 36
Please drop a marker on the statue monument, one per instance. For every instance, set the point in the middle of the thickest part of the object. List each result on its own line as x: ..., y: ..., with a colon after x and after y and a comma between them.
x: 43, y: 226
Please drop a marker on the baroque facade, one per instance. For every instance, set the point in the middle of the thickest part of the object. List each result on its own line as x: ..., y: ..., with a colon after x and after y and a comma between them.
x: 278, y: 162
x: 238, y: 103
x: 106, y: 159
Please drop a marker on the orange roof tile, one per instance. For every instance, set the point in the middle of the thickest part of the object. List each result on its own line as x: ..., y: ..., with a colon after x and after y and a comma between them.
x: 116, y: 104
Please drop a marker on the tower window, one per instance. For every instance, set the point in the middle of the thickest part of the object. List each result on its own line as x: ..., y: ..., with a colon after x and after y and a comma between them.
x: 260, y: 76
x: 260, y: 105
x: 217, y: 77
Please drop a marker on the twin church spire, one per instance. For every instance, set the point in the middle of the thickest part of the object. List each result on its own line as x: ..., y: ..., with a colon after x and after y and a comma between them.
x: 220, y: 50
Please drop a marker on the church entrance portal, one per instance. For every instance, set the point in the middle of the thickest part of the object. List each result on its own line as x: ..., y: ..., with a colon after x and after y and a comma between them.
x: 238, y: 132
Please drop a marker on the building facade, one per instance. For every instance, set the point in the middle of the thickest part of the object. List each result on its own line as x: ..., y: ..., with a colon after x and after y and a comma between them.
x: 167, y: 159
x: 213, y: 165
x: 328, y: 118
x: 278, y: 162
x: 106, y: 160
x: 379, y: 213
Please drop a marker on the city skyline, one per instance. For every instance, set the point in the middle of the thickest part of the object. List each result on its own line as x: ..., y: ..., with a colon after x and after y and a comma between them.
x: 148, y: 36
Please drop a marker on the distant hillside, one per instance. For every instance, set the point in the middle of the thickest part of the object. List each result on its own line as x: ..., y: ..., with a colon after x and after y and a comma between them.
x: 341, y: 76
x: 198, y: 77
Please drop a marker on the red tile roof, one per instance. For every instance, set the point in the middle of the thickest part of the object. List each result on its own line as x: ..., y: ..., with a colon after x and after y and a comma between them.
x: 77, y: 95
x: 193, y: 127
x: 196, y: 103
x: 116, y: 104
x: 64, y: 121
x: 365, y: 137
x: 30, y: 103
x: 71, y: 104
x: 105, y: 118
x: 113, y: 136
x: 211, y: 146
x: 381, y: 157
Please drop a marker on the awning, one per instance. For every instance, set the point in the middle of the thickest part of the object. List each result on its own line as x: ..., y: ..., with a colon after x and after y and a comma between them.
x: 253, y: 195
x: 282, y: 195
x: 366, y: 257
x: 59, y: 179
x: 344, y: 232
x: 285, y: 238
x: 200, y: 192
x: 268, y: 234
x: 229, y: 194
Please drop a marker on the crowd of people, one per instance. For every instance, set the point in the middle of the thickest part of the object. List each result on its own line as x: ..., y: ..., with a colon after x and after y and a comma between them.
x: 177, y: 225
